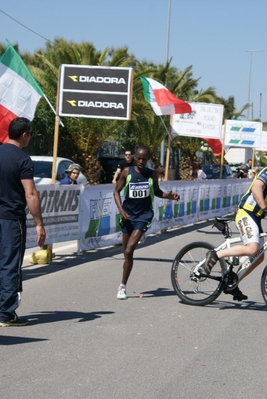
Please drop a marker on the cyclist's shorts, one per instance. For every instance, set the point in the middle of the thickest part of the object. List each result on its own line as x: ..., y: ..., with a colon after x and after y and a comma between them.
x: 249, y: 227
x: 128, y: 226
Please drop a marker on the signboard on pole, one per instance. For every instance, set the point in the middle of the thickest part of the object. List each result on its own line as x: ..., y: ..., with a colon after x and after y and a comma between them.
x: 263, y: 146
x: 205, y: 120
x: 95, y: 92
x: 243, y: 134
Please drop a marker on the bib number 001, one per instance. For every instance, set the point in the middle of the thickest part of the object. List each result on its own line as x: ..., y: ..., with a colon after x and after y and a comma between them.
x: 139, y: 190
x: 139, y: 193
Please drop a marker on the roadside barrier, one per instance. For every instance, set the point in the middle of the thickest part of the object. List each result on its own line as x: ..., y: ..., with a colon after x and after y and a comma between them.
x: 89, y: 214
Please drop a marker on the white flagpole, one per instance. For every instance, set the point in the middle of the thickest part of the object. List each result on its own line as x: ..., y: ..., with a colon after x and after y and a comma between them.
x: 51, y: 106
x: 167, y: 130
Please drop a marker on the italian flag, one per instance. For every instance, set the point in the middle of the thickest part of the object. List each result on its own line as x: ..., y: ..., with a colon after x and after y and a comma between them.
x: 19, y: 92
x: 162, y: 100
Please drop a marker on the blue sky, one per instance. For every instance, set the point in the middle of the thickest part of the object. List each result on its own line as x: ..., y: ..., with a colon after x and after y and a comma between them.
x: 210, y: 35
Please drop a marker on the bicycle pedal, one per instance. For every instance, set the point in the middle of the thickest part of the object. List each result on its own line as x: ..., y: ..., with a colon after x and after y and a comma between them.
x: 231, y: 286
x: 230, y: 280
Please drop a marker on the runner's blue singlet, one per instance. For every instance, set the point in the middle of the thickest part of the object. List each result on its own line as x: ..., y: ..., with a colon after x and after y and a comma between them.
x: 139, y: 195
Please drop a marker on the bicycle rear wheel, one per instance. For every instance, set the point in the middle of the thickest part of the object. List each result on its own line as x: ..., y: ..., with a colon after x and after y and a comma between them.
x: 264, y: 284
x: 192, y: 291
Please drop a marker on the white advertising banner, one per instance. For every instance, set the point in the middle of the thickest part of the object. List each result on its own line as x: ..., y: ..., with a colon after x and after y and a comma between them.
x: 61, y: 212
x: 168, y: 213
x: 99, y: 217
x: 204, y: 121
x: 89, y: 213
x: 243, y: 134
x: 263, y: 146
x: 199, y: 200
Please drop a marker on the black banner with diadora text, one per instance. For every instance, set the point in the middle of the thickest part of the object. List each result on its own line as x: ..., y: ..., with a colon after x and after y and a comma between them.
x: 95, y: 92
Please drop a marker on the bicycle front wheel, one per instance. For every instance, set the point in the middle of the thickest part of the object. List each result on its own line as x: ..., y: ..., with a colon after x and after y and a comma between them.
x: 191, y: 290
x: 264, y: 284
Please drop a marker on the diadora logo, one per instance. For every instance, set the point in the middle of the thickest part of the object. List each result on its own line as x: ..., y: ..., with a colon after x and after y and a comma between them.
x: 97, y: 79
x: 72, y: 102
x: 73, y: 77
x: 95, y: 104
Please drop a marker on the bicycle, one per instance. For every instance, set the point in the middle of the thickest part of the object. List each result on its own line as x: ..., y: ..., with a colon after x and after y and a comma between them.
x: 199, y: 289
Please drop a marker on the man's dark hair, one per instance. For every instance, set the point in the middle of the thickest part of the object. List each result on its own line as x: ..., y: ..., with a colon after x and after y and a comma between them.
x: 18, y: 126
x: 127, y: 150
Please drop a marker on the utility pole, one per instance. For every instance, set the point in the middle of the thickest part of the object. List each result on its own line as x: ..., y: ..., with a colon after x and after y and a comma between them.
x: 162, y: 148
x: 249, y: 77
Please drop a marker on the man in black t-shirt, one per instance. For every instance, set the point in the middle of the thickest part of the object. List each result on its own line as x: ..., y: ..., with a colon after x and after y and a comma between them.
x: 17, y: 189
x: 125, y: 163
x: 248, y: 165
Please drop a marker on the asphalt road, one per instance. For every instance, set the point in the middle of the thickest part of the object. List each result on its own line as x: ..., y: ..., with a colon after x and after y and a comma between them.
x: 81, y: 342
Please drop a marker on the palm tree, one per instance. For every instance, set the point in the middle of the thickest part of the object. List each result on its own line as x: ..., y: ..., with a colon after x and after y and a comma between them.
x: 80, y: 137
x: 230, y: 111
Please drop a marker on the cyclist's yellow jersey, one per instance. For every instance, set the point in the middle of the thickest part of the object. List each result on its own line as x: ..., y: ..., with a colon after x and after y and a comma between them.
x: 248, y: 202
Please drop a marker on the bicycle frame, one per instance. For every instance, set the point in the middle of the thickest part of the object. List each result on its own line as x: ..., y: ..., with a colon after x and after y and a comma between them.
x: 250, y: 261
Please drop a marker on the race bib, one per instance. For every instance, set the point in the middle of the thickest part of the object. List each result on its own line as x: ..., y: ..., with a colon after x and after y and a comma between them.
x: 139, y: 190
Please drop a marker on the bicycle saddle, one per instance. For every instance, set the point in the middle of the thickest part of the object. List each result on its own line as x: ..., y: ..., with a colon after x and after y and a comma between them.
x: 224, y: 219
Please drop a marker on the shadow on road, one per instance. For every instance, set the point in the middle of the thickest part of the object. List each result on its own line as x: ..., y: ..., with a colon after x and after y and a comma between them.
x: 158, y: 292
x: 246, y: 305
x: 66, y: 261
x: 243, y: 305
x: 55, y: 316
x: 6, y: 340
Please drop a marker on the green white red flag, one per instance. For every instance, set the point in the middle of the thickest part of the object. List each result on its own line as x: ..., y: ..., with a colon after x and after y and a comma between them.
x: 19, y: 91
x: 162, y: 100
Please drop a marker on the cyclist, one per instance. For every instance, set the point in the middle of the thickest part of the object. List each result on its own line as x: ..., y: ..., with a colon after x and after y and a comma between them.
x: 251, y: 210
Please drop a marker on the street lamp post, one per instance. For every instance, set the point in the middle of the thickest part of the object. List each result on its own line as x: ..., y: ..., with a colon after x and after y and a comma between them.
x: 168, y: 31
x: 249, y: 77
x: 162, y: 147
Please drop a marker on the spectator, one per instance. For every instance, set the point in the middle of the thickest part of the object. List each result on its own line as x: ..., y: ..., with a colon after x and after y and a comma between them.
x: 73, y: 172
x: 248, y: 165
x: 201, y: 175
x: 251, y: 174
x: 197, y: 172
x: 161, y: 173
x: 128, y: 161
x: 242, y: 173
x: 17, y: 189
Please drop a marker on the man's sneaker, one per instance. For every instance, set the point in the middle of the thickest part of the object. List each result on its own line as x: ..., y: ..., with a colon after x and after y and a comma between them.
x: 16, y: 322
x: 122, y: 292
x: 211, y: 260
x: 237, y: 294
x: 142, y: 239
